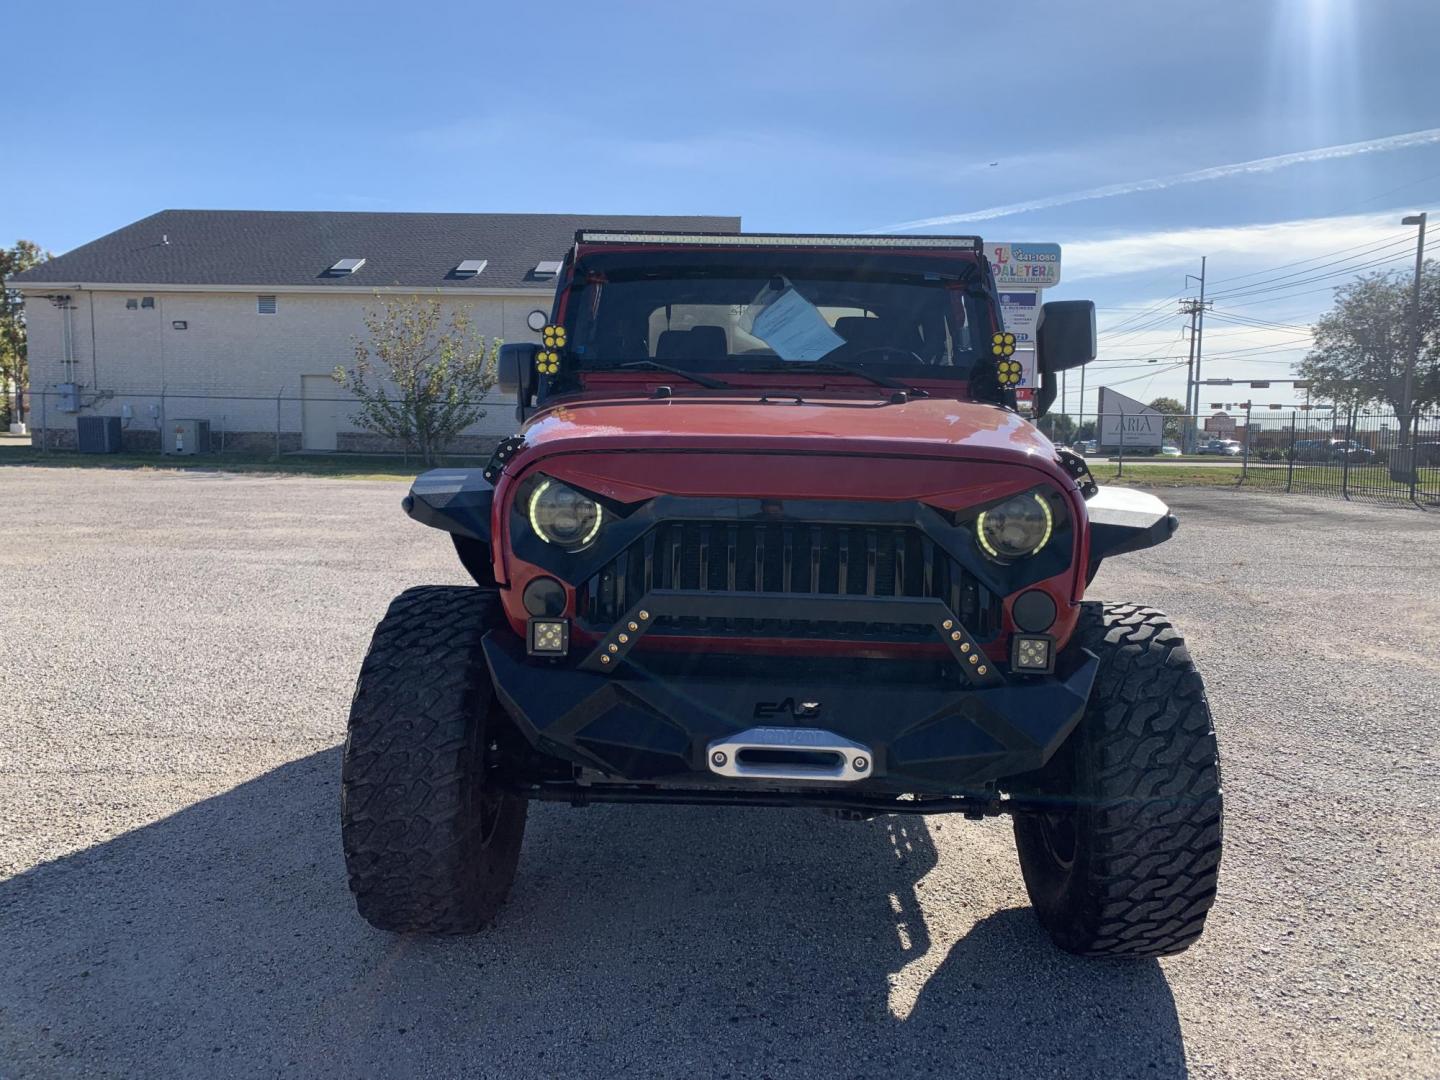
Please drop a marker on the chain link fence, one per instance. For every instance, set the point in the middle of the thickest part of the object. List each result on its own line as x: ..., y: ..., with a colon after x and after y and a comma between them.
x: 319, y: 418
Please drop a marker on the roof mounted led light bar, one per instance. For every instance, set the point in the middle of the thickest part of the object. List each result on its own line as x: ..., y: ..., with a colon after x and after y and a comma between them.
x: 820, y: 240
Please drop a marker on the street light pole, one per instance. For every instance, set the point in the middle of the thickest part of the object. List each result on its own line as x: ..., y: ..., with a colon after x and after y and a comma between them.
x: 1414, y: 358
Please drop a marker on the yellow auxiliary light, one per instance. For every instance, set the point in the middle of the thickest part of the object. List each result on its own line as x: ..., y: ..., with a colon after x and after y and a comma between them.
x: 1002, y: 344
x: 547, y: 360
x: 1009, y: 372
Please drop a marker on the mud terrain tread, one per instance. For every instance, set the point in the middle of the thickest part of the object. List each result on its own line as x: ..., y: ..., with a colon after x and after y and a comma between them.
x: 1144, y: 763
x: 417, y: 857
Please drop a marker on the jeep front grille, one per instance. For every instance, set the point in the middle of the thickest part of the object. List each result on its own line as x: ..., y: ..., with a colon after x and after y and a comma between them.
x: 816, y: 559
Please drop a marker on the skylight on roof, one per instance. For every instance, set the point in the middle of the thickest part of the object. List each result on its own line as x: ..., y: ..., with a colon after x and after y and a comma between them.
x: 346, y: 266
x: 470, y: 267
x: 548, y: 268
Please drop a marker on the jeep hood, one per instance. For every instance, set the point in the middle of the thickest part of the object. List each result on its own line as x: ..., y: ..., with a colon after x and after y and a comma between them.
x: 930, y: 427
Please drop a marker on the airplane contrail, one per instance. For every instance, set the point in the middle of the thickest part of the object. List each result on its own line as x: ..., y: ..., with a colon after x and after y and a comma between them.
x: 1216, y: 172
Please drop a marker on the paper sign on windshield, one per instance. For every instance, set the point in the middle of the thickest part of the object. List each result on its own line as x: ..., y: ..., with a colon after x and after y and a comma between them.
x: 794, y: 329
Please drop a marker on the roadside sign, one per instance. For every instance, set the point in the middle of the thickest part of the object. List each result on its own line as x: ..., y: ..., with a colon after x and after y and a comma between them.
x: 1035, y: 266
x: 1127, y: 422
x: 1221, y: 423
x: 1020, y: 309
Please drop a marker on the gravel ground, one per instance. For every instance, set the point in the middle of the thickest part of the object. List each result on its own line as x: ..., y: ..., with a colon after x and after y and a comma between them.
x: 178, y: 652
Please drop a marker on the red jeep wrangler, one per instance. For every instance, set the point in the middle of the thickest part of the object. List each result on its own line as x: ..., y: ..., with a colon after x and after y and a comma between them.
x: 773, y: 534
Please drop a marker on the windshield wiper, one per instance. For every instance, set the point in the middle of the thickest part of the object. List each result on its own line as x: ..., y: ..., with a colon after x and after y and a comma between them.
x: 695, y: 377
x: 849, y: 369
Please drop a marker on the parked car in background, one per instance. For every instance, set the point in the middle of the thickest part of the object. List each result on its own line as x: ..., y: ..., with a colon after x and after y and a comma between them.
x: 1169, y: 451
x: 1332, y: 450
x: 1222, y: 447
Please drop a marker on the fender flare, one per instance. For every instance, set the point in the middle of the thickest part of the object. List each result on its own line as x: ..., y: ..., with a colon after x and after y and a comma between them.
x: 457, y: 501
x: 1123, y: 520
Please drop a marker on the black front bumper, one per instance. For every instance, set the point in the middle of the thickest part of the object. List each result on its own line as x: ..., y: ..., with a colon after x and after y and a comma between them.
x: 935, y: 736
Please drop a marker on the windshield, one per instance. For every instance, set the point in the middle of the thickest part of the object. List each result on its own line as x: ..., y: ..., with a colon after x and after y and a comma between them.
x: 770, y: 314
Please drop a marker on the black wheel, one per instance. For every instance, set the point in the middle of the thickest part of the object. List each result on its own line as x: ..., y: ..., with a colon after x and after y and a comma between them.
x: 475, y: 557
x: 430, y: 845
x: 1126, y: 863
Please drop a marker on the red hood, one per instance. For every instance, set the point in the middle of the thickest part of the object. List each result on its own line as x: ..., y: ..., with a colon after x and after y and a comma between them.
x: 841, y: 425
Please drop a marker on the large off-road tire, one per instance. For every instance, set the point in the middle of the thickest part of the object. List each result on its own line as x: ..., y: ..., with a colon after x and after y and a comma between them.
x: 1127, y: 863
x: 430, y: 844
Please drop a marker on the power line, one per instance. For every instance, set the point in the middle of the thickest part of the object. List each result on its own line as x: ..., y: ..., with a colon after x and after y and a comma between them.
x: 1305, y: 293
x: 1312, y: 258
x: 1121, y: 325
x: 1268, y: 285
x: 1251, y: 321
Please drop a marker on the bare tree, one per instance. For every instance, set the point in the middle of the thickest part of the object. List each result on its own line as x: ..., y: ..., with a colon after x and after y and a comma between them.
x: 419, y: 376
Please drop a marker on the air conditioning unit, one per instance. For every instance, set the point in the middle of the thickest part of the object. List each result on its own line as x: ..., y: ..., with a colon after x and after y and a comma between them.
x: 185, y: 437
x: 97, y: 434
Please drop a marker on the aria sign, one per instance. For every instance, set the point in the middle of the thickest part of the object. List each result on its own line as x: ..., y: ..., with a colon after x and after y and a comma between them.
x: 1127, y: 422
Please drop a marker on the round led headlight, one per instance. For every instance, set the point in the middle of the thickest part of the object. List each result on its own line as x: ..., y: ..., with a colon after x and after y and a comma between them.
x: 562, y: 516
x: 1017, y: 527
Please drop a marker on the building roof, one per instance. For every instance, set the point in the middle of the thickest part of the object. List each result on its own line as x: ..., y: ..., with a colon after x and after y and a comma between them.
x: 278, y: 248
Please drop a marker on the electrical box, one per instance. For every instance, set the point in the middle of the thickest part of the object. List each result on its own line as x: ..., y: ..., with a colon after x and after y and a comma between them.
x: 69, y: 394
x: 97, y: 434
x: 185, y: 437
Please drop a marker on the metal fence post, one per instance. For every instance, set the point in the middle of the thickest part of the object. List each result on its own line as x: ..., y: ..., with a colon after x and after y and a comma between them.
x: 44, y: 421
x: 1413, y: 421
x: 1245, y: 461
x: 277, y: 420
x: 1290, y: 456
x: 160, y: 428
x: 1120, y: 468
x: 1345, y: 454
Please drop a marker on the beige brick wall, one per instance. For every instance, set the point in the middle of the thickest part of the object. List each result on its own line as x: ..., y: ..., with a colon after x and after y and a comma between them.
x: 226, y: 354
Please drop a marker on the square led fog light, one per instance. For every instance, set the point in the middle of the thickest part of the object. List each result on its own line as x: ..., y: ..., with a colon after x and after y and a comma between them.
x: 549, y: 637
x: 1032, y: 654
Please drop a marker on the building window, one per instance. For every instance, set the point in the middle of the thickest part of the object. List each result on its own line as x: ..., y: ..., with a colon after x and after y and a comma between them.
x: 147, y: 301
x: 131, y: 304
x: 265, y: 305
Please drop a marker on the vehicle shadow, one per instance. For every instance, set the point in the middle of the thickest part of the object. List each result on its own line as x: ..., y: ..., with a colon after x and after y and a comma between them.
x: 653, y: 941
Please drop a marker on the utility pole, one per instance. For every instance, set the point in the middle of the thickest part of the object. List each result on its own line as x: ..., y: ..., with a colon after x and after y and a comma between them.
x: 1200, y: 327
x: 1187, y: 307
x: 1195, y: 308
x: 1414, y: 358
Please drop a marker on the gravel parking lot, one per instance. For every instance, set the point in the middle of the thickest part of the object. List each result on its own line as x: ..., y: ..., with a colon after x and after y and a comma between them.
x: 178, y: 652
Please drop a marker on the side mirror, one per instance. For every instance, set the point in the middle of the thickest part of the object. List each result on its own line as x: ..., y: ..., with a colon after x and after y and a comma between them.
x: 516, y: 373
x: 1066, y: 338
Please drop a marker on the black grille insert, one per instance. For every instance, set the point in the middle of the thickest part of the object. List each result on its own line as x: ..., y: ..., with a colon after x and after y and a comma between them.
x: 816, y: 559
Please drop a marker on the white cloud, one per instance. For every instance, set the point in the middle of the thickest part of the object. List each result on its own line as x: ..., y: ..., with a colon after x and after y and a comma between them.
x: 1233, y: 249
x: 1216, y: 172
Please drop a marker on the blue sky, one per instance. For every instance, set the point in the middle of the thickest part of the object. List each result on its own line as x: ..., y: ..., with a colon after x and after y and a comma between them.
x: 832, y: 116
